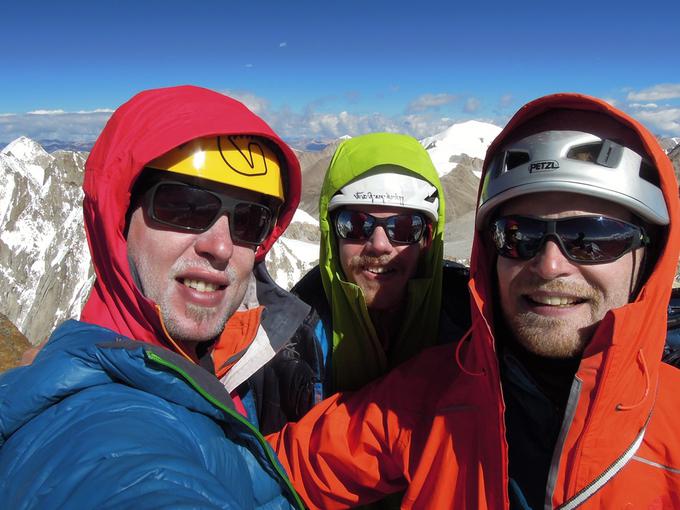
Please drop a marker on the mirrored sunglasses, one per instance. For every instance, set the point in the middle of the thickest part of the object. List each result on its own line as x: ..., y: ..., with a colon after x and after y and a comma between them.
x: 400, y: 228
x: 582, y: 239
x: 185, y: 207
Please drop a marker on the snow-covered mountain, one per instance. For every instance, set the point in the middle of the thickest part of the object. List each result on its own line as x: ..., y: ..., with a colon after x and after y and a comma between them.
x: 44, y: 262
x: 45, y: 270
x: 668, y: 144
x: 296, y: 252
x: 45, y: 273
x: 470, y: 138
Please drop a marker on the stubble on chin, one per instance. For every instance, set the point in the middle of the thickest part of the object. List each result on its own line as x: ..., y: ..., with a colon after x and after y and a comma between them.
x: 549, y: 337
x: 184, y: 325
x: 554, y: 337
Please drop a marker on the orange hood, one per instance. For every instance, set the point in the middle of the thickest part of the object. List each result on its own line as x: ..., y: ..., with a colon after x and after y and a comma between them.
x: 619, y: 371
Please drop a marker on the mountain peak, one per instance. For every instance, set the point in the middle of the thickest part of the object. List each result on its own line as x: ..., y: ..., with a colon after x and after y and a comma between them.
x: 471, y: 138
x: 25, y: 149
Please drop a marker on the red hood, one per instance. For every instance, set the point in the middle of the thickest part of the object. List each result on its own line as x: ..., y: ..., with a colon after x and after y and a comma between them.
x: 147, y: 126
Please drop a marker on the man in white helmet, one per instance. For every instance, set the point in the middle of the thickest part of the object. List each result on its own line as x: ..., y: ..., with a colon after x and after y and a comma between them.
x: 378, y: 286
x: 558, y: 397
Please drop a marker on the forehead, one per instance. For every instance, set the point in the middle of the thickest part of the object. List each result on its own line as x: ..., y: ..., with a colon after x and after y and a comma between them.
x: 559, y: 204
x: 216, y: 187
x: 380, y: 210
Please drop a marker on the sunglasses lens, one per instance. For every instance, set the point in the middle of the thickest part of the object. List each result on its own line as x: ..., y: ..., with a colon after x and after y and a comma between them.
x: 192, y: 208
x: 596, y: 238
x: 517, y: 237
x: 353, y: 225
x: 405, y: 228
x: 584, y: 239
x: 250, y: 223
x: 400, y: 228
x: 185, y: 206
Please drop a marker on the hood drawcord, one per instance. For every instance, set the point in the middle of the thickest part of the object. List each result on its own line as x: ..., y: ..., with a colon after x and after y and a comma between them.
x: 645, y: 371
x: 459, y: 362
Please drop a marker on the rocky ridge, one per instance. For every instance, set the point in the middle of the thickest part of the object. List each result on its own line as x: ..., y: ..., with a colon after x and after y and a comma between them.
x: 44, y: 260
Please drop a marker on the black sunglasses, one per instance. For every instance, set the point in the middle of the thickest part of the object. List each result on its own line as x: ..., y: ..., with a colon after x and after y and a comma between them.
x: 400, y: 228
x: 186, y: 207
x: 582, y: 239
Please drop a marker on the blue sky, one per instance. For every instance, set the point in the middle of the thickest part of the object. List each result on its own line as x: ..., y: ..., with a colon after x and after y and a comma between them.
x: 325, y: 69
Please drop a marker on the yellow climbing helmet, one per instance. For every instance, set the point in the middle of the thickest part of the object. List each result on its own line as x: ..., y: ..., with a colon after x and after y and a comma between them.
x: 243, y: 161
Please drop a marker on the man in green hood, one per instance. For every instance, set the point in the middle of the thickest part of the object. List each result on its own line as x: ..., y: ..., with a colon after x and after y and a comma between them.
x: 378, y: 286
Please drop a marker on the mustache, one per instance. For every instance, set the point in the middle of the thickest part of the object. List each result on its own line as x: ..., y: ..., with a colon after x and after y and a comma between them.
x: 360, y: 261
x: 558, y: 286
x: 181, y: 266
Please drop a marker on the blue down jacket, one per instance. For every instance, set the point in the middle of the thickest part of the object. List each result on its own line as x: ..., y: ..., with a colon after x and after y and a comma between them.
x: 100, y: 421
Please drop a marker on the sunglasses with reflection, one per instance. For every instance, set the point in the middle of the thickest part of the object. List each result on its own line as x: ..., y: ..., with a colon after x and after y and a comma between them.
x: 582, y: 239
x: 191, y: 208
x: 399, y: 228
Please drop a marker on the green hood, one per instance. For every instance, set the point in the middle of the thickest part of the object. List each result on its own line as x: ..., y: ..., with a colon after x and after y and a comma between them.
x: 358, y: 355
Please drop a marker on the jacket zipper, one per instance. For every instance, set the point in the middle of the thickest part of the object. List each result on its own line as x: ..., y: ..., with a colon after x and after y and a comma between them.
x: 569, y: 413
x: 601, y: 480
x: 265, y: 446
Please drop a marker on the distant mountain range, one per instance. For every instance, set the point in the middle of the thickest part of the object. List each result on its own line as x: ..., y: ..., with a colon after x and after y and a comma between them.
x: 45, y: 272
x: 317, y: 145
x: 301, y: 144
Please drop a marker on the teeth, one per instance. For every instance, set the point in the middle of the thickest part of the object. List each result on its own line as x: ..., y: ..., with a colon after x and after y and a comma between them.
x: 554, y: 300
x: 377, y: 270
x: 200, y: 286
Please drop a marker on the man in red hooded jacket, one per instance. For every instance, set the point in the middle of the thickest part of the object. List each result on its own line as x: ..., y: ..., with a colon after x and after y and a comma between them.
x: 185, y: 192
x: 557, y: 397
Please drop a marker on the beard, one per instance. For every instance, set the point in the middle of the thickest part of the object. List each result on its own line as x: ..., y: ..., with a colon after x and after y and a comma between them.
x: 374, y: 293
x: 184, y: 327
x: 198, y: 315
x: 554, y: 337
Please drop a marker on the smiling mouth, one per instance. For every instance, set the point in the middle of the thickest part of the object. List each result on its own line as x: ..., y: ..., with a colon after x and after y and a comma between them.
x: 559, y: 301
x: 379, y: 270
x: 201, y: 286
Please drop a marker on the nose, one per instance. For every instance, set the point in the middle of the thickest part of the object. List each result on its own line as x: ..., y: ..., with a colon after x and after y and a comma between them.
x: 550, y: 262
x: 215, y: 244
x: 378, y: 243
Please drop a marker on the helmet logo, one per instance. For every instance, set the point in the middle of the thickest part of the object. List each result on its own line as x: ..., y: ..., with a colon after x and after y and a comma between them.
x: 542, y: 166
x: 385, y: 197
x: 245, y: 155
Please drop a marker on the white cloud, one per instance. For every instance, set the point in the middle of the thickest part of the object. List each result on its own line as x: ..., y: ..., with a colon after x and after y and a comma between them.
x: 255, y: 103
x: 322, y: 125
x: 54, y: 125
x: 47, y: 112
x: 665, y: 121
x: 656, y: 93
x: 428, y: 101
x: 283, y: 44
x: 97, y: 110
x: 643, y: 105
x: 472, y: 104
x: 505, y: 101
x: 64, y: 112
x: 312, y: 121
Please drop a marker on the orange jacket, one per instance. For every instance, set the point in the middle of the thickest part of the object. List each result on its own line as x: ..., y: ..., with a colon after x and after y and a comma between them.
x: 435, y: 426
